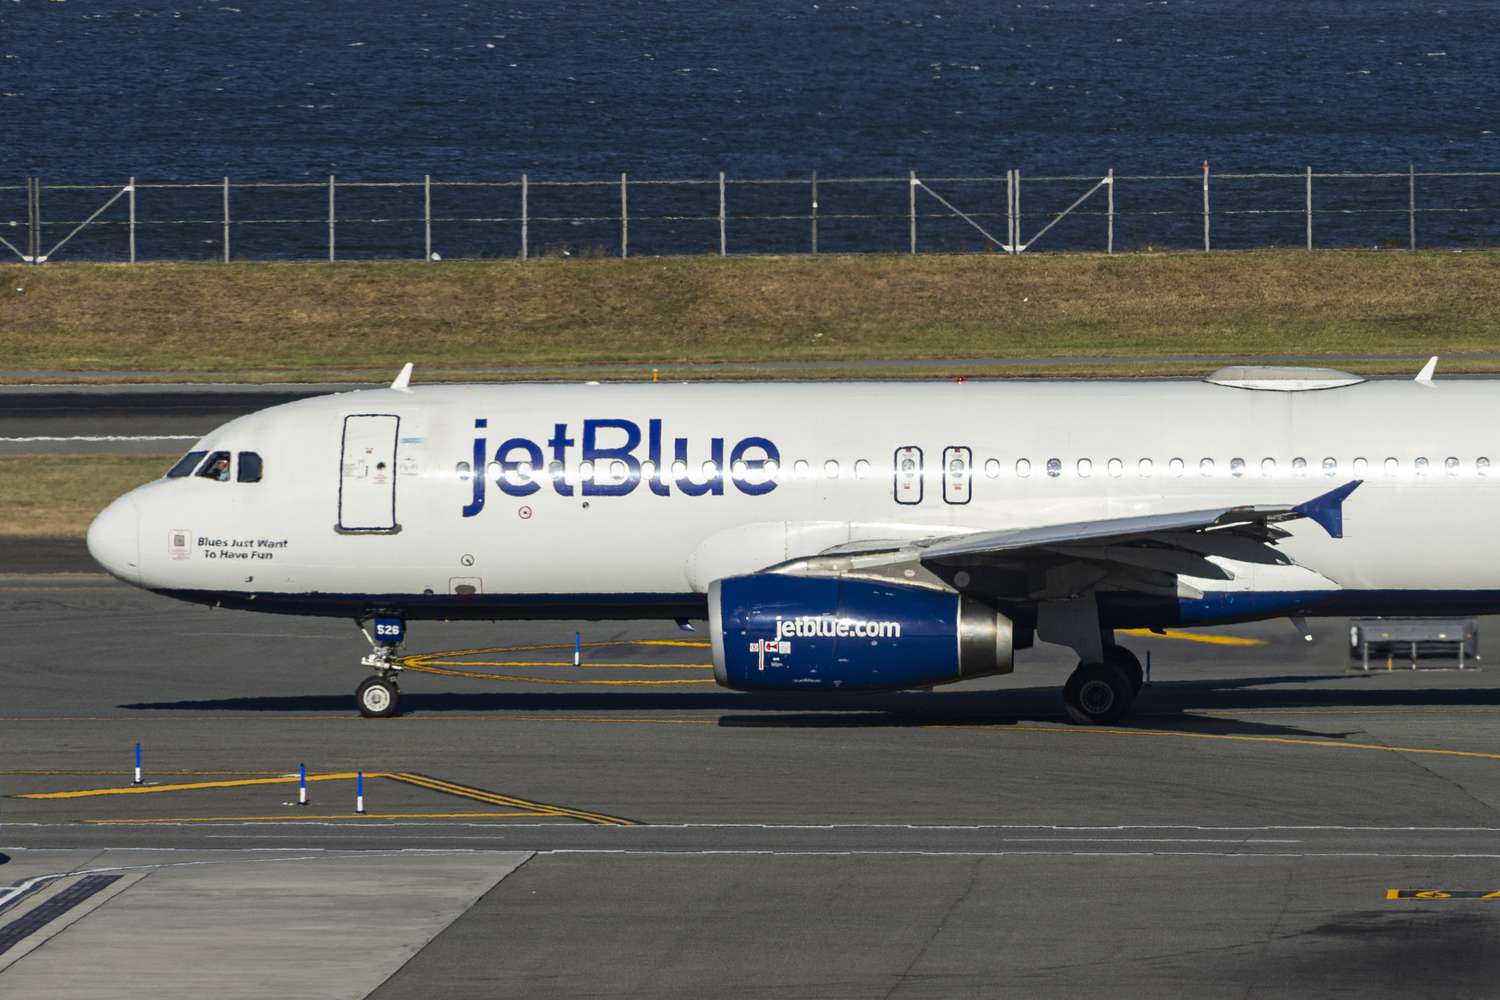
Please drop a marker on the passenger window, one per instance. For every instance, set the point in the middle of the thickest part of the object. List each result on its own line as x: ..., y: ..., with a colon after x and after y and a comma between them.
x: 1268, y: 467
x: 186, y: 464
x: 1330, y: 466
x: 1299, y: 466
x: 1085, y: 468
x: 992, y: 468
x: 1360, y: 465
x: 1176, y: 466
x: 462, y: 470
x: 1054, y: 467
x: 1421, y: 466
x: 861, y: 469
x: 1116, y: 467
x: 1236, y: 466
x: 251, y: 467
x: 831, y: 468
x: 1482, y: 466
x: 1023, y: 468
x: 216, y: 467
x: 1206, y: 467
x: 1144, y: 468
x: 1392, y: 467
x: 1451, y: 465
x: 957, y: 487
x: 557, y: 473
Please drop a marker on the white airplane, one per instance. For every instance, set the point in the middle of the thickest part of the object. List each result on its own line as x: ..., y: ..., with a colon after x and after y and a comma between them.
x: 839, y: 537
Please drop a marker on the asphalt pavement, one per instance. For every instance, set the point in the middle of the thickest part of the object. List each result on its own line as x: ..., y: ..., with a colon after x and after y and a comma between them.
x: 1269, y: 823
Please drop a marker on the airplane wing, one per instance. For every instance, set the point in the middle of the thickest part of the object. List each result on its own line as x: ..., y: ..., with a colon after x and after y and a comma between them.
x: 1326, y: 510
x: 1146, y: 554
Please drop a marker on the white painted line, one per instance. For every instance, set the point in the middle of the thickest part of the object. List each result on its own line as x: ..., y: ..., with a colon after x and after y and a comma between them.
x: 102, y: 437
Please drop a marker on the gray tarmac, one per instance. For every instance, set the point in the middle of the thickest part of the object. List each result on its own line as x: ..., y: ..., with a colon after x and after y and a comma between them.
x: 1268, y: 823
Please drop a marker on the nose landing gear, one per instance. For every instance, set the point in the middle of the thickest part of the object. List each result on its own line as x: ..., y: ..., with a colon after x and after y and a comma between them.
x: 379, y: 697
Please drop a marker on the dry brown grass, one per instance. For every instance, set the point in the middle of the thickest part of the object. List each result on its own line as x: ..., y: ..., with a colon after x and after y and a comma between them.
x: 258, y: 320
x: 56, y: 496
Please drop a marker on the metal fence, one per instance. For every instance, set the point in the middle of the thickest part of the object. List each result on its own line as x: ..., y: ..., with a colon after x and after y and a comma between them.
x: 524, y: 218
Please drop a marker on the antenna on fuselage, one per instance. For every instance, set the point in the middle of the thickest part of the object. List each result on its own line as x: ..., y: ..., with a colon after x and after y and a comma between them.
x: 1424, y: 377
x: 403, y: 381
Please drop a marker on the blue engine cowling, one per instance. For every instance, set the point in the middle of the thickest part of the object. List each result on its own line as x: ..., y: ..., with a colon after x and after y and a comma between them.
x: 773, y: 632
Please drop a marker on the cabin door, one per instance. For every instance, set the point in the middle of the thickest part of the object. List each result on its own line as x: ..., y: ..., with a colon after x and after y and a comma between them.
x: 367, y: 474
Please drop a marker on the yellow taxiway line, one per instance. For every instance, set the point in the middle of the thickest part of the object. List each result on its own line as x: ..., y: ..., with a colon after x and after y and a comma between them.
x: 1212, y: 640
x: 427, y: 782
x: 299, y: 818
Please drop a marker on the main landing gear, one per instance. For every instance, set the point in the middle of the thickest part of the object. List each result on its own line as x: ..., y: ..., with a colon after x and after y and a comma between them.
x: 379, y: 697
x: 1102, y: 693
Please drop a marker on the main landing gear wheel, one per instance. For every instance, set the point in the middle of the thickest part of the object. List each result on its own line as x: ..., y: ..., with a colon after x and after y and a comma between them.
x: 1129, y: 663
x: 378, y: 698
x: 1098, y: 694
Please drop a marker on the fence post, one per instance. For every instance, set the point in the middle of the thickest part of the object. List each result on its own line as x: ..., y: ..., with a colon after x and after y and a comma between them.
x: 36, y: 229
x: 132, y: 220
x: 815, y: 212
x: 624, y: 219
x: 226, y: 220
x: 1411, y: 206
x: 1309, y: 208
x: 330, y: 219
x: 723, y: 240
x: 1111, y: 241
x: 1206, y: 243
x: 1010, y: 211
x: 427, y: 217
x: 525, y: 218
x: 911, y: 210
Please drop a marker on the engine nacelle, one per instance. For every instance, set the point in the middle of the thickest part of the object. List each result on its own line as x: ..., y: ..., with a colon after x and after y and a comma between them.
x: 773, y: 632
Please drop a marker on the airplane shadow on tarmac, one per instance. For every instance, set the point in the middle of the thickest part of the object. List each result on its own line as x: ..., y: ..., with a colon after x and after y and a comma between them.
x: 1162, y: 706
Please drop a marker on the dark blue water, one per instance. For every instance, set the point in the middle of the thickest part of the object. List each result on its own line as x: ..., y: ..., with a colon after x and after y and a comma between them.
x: 98, y: 90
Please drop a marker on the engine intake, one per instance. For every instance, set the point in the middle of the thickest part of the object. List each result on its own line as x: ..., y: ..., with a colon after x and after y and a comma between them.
x: 772, y: 632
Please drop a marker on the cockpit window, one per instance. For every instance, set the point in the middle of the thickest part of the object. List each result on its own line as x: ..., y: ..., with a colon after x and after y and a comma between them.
x: 186, y: 464
x: 216, y: 467
x: 251, y: 467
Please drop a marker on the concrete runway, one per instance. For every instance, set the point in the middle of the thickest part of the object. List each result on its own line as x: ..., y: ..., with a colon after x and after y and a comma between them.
x: 1267, y: 824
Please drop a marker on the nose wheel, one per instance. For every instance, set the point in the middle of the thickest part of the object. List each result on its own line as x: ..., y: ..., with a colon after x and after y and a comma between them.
x: 379, y: 697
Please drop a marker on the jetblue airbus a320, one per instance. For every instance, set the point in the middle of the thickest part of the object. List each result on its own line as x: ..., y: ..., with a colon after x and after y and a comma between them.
x: 839, y: 537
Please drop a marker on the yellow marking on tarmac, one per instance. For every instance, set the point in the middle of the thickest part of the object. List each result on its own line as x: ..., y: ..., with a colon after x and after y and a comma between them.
x: 447, y: 663
x: 85, y: 793
x: 1212, y: 640
x: 446, y: 672
x: 297, y: 818
x: 404, y: 777
x: 52, y: 773
x: 1229, y: 737
x: 429, y: 662
x: 497, y: 799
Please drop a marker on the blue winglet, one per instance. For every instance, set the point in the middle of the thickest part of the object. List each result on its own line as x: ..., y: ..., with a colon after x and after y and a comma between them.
x: 1328, y: 509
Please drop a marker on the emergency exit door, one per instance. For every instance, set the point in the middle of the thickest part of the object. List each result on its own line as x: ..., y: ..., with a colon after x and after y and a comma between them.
x: 367, y: 474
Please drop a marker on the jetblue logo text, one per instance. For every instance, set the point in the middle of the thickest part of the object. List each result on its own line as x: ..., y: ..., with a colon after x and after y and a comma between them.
x: 521, y: 466
x: 828, y: 626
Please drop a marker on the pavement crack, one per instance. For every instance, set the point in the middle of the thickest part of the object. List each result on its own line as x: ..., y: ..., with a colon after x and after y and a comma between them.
x: 953, y: 908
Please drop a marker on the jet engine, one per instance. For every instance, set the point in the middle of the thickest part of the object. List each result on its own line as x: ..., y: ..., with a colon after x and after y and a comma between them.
x: 775, y: 632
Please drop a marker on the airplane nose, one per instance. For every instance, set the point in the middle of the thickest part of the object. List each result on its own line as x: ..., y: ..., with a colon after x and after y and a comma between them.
x: 114, y: 539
